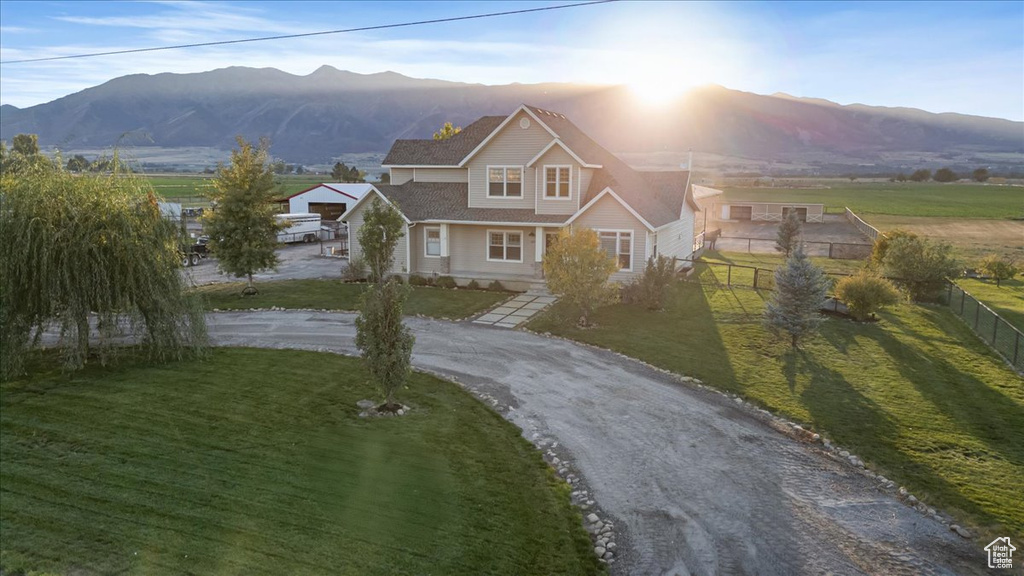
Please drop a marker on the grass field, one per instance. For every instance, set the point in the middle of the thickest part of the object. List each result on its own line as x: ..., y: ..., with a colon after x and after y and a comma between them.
x: 1006, y: 300
x: 187, y: 186
x: 772, y: 261
x: 972, y: 238
x: 337, y: 295
x: 916, y: 395
x: 906, y: 199
x: 255, y: 462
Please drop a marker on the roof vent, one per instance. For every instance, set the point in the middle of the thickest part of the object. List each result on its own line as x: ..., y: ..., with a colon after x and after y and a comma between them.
x: 524, y: 123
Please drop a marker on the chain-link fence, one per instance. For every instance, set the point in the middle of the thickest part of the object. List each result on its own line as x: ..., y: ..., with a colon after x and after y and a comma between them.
x: 991, y: 327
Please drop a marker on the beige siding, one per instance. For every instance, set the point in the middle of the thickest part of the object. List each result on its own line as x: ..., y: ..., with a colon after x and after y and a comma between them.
x: 468, y: 249
x: 676, y: 239
x: 586, y: 174
x: 355, y: 222
x: 422, y: 264
x: 439, y: 174
x: 513, y: 146
x: 401, y: 175
x: 608, y: 214
x: 556, y: 156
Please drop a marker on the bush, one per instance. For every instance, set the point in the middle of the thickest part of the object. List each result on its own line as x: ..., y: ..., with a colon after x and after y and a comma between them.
x: 396, y: 279
x: 920, y: 267
x: 473, y: 285
x: 496, y: 287
x: 446, y: 282
x: 998, y: 268
x: 651, y: 287
x: 356, y: 270
x: 945, y: 175
x: 922, y: 175
x: 417, y: 280
x: 577, y: 269
x: 882, y: 244
x: 865, y: 294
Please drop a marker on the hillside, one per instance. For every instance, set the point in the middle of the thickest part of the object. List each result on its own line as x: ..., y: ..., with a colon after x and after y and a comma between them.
x: 330, y: 112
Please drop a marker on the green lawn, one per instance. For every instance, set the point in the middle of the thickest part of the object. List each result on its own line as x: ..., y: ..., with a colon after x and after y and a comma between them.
x: 337, y: 295
x: 916, y: 395
x: 1007, y: 300
x: 255, y: 462
x: 772, y: 261
x: 906, y: 199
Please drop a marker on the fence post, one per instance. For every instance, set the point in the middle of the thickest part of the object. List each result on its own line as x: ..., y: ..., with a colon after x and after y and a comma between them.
x: 995, y: 329
x: 977, y: 313
x: 1016, y: 346
x: 830, y: 250
x: 963, y: 294
x: 949, y: 294
x: 748, y: 245
x: 756, y: 270
x: 728, y: 281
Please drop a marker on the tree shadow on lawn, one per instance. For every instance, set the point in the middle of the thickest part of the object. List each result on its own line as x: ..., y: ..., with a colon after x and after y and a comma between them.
x: 860, y: 424
x: 980, y: 410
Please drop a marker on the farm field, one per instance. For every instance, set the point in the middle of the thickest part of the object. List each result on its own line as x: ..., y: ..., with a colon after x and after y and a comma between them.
x: 973, y: 238
x: 916, y: 395
x: 337, y: 295
x: 184, y: 187
x: 900, y: 199
x: 255, y: 462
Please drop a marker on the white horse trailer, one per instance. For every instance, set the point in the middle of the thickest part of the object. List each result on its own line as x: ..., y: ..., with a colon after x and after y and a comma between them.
x: 299, y: 228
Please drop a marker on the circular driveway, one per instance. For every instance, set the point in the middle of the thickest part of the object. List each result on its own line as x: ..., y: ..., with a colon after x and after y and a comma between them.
x: 694, y: 484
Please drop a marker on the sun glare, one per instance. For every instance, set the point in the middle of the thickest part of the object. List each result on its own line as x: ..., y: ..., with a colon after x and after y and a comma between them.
x: 659, y: 81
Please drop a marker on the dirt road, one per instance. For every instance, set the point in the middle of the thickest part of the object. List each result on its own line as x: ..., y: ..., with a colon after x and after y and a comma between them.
x: 697, y: 485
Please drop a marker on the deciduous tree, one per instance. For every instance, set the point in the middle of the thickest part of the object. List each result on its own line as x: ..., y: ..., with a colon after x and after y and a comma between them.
x: 980, y: 174
x: 945, y: 175
x: 922, y: 175
x: 999, y: 268
x: 447, y: 131
x: 378, y: 237
x: 242, y: 229
x: 801, y: 289
x: 577, y: 269
x: 919, y: 266
x: 90, y: 246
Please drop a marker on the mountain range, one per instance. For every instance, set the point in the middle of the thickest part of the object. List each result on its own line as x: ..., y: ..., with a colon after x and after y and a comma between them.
x: 330, y: 112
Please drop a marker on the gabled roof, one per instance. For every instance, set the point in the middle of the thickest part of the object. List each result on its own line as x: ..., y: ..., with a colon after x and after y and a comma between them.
x: 448, y: 202
x: 355, y: 191
x: 442, y: 152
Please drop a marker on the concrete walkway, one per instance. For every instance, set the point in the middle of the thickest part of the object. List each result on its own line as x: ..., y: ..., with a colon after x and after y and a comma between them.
x: 694, y: 483
x: 516, y: 311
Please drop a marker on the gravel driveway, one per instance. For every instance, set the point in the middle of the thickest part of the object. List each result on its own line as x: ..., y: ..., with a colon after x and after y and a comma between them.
x: 298, y: 261
x: 694, y: 484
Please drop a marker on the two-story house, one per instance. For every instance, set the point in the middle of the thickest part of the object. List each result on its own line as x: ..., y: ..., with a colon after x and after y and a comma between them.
x: 485, y: 203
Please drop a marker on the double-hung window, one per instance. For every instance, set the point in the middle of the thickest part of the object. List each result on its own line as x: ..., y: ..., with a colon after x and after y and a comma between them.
x: 619, y: 245
x: 432, y: 241
x: 504, y: 246
x: 556, y: 182
x: 504, y: 182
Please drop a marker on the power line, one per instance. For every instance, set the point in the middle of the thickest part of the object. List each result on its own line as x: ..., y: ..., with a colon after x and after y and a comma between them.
x: 307, y: 34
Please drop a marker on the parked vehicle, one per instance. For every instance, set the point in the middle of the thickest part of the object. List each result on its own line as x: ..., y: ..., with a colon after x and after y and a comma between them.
x: 192, y: 254
x: 299, y: 228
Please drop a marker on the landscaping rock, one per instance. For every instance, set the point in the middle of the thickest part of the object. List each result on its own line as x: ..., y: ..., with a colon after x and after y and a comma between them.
x: 612, y: 545
x: 599, y: 551
x: 592, y: 518
x: 366, y: 404
x: 961, y: 531
x: 844, y: 453
x: 911, y: 500
x: 608, y: 555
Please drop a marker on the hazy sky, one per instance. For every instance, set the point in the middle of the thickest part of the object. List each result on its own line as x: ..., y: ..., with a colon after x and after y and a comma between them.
x: 939, y: 56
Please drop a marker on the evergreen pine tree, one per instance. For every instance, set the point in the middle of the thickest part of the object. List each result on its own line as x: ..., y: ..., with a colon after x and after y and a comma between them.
x: 789, y: 234
x: 800, y: 292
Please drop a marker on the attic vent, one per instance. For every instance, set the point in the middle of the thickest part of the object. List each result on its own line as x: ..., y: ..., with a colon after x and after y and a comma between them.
x: 524, y: 123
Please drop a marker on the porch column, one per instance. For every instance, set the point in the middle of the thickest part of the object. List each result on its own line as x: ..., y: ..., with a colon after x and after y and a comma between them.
x: 446, y: 261
x: 538, y: 252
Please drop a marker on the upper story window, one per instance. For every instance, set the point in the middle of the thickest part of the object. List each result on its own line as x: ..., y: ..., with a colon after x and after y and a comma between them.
x: 505, y: 181
x: 556, y: 182
x: 619, y: 245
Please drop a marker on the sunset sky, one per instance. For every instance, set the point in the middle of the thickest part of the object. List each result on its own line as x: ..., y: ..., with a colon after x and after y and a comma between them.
x: 938, y: 56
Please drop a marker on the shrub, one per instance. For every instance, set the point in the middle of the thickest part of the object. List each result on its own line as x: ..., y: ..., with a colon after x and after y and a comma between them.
x: 446, y: 282
x: 945, y: 175
x: 920, y: 267
x: 473, y: 285
x: 396, y: 279
x: 577, y: 269
x: 998, y: 268
x: 865, y: 294
x: 651, y: 287
x: 922, y: 175
x: 355, y: 271
x: 496, y: 287
x: 417, y: 280
x: 882, y: 244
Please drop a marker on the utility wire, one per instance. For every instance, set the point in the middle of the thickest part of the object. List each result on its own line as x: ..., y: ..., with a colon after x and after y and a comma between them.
x: 307, y: 34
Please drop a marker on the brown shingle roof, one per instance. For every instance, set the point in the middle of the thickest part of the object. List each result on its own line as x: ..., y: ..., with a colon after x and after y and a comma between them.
x: 421, y: 201
x: 442, y: 152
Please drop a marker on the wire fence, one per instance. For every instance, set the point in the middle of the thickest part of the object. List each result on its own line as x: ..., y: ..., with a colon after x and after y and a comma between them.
x: 989, y: 326
x: 833, y: 250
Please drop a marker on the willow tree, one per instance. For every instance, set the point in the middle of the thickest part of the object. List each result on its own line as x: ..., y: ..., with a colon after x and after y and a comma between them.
x: 90, y: 255
x: 242, y: 228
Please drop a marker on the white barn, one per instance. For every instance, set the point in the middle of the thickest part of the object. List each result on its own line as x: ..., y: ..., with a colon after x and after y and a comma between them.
x: 329, y: 199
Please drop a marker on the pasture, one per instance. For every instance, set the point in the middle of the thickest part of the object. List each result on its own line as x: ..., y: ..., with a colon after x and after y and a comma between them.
x: 191, y: 189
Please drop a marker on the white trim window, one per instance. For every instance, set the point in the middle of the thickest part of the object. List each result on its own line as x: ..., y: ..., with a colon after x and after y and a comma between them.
x: 558, y: 182
x: 504, y: 181
x: 432, y: 241
x: 504, y: 246
x: 619, y: 245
